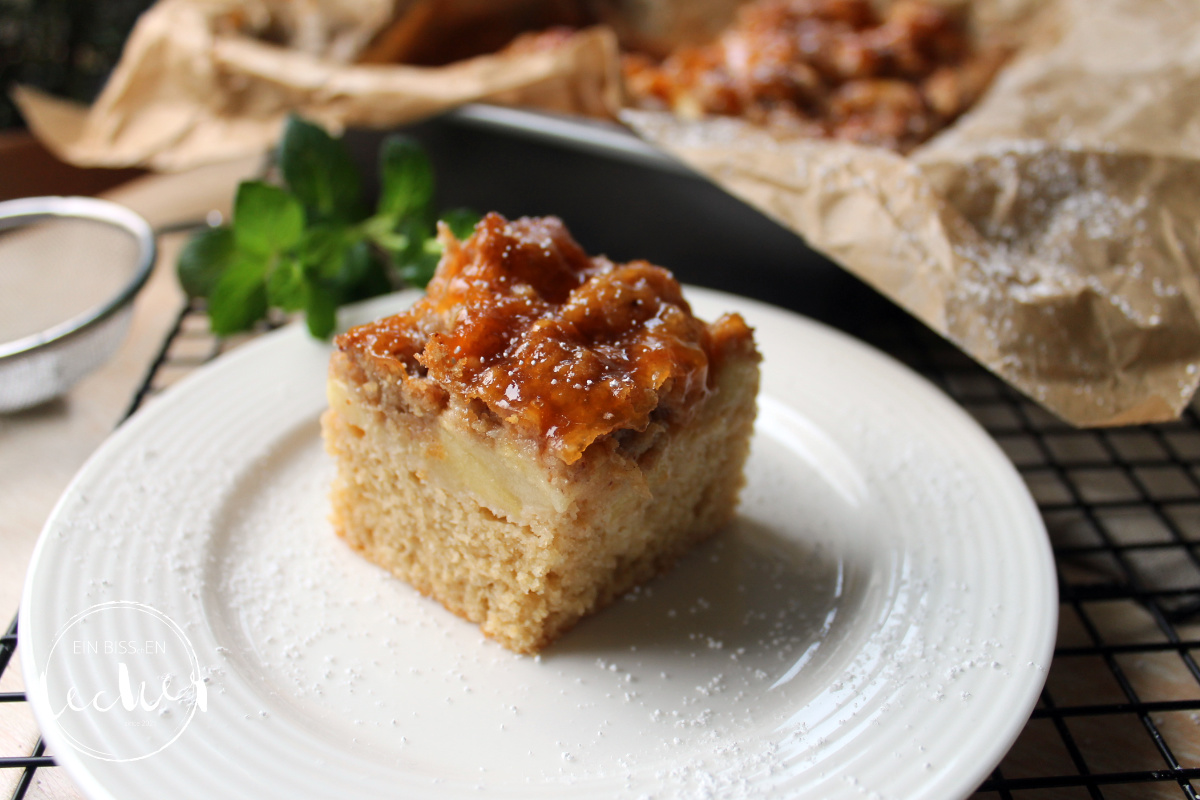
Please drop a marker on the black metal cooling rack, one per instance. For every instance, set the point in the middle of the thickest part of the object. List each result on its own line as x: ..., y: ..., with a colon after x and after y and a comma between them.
x: 1120, y: 714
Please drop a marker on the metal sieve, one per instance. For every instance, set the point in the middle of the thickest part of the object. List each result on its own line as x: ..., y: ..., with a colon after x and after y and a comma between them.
x: 69, y: 270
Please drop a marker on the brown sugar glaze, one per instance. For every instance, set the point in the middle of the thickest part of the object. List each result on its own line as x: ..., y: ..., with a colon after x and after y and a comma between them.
x: 562, y: 346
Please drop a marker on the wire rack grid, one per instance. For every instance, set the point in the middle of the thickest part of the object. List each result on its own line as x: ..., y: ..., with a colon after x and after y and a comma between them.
x: 1120, y: 714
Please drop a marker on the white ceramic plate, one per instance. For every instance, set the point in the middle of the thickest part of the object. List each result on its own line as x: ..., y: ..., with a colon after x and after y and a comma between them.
x: 877, y: 623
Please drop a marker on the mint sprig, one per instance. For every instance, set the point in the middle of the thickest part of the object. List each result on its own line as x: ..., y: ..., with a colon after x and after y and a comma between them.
x: 310, y: 245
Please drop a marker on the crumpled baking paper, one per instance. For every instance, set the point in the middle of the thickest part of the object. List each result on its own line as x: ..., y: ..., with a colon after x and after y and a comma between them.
x: 1051, y: 233
x: 194, y: 86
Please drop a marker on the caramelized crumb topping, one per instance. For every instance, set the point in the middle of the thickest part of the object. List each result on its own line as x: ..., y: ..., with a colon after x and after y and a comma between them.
x: 560, y: 345
x: 833, y: 68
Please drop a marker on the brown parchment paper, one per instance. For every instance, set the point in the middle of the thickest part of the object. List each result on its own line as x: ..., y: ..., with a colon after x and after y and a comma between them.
x: 194, y: 86
x: 1050, y: 233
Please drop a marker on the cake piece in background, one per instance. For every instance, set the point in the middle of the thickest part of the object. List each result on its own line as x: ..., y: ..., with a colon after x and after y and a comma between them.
x: 840, y: 69
x: 540, y: 433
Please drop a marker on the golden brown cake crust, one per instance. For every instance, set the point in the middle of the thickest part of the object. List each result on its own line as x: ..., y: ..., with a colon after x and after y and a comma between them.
x: 526, y: 560
x: 562, y: 347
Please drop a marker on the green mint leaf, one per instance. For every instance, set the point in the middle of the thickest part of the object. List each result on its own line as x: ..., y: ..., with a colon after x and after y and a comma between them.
x: 406, y: 178
x: 365, y: 274
x: 320, y: 313
x: 462, y: 221
x: 323, y: 250
x: 286, y: 287
x: 415, y: 231
x: 381, y: 230
x: 392, y: 242
x: 239, y: 298
x: 310, y: 246
x: 266, y: 219
x: 320, y: 172
x: 344, y: 263
x: 355, y: 267
x: 204, y: 259
x: 414, y: 262
x: 418, y: 270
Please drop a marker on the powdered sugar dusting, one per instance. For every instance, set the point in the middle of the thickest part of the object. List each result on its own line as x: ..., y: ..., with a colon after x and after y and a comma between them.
x: 1068, y: 281
x: 745, y: 658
